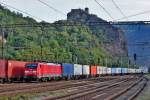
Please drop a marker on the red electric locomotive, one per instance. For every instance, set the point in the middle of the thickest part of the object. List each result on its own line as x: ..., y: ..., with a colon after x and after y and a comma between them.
x: 42, y: 71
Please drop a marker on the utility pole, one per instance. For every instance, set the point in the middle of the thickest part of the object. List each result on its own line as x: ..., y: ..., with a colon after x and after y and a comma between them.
x: 2, y: 43
x: 129, y: 63
x: 41, y: 43
x: 106, y: 61
x: 121, y: 61
x: 3, y: 58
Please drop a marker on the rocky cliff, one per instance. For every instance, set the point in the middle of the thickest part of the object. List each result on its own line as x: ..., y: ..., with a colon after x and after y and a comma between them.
x: 112, y: 39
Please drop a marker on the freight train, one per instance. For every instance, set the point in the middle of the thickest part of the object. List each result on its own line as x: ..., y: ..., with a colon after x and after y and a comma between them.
x: 51, y: 71
x: 26, y: 71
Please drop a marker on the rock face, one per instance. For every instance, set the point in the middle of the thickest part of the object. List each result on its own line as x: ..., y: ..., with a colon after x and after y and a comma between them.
x: 138, y: 38
x: 112, y: 38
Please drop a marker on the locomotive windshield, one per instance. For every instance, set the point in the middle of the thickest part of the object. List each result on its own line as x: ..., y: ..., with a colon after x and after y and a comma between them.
x: 31, y: 66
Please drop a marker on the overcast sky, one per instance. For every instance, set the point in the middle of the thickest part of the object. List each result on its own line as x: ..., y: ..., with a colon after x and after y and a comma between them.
x: 35, y: 8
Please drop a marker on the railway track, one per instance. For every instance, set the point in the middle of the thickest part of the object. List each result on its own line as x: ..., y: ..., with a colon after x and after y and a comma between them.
x: 130, y: 92
x: 41, y: 87
x: 26, y: 85
x: 83, y: 91
x: 73, y: 87
x: 108, y: 91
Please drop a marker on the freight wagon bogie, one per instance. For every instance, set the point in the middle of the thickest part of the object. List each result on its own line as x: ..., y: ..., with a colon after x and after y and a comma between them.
x: 43, y: 79
x: 3, y: 80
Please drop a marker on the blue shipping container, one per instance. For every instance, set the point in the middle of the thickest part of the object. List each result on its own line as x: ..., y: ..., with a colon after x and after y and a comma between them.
x: 67, y: 70
x: 113, y: 71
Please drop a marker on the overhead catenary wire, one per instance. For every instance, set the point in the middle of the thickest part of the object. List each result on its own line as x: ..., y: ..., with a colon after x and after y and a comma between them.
x: 133, y: 15
x: 119, y: 9
x: 101, y: 23
x: 22, y: 11
x: 75, y: 24
x: 104, y: 9
x: 56, y: 10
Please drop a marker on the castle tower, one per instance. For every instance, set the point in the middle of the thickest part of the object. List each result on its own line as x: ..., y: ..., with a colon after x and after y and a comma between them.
x: 87, y: 10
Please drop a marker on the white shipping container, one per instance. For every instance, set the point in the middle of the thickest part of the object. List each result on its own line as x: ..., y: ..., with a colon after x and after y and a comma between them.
x: 136, y: 70
x: 132, y: 70
x: 86, y: 70
x: 139, y: 71
x: 77, y: 69
x: 126, y: 70
x: 104, y: 70
x: 129, y: 70
x: 144, y: 69
x: 108, y: 70
x: 99, y: 70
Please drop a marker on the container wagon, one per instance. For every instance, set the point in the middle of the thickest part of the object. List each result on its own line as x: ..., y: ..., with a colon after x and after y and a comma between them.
x: 99, y: 70
x: 15, y: 70
x: 113, y: 71
x: 104, y: 70
x: 108, y: 71
x: 67, y: 71
x: 77, y: 71
x: 124, y: 71
x: 11, y: 70
x: 86, y: 71
x: 93, y: 71
x: 118, y: 71
x: 3, y: 71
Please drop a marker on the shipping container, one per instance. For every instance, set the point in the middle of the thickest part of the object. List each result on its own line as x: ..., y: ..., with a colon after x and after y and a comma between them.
x: 16, y: 69
x: 67, y: 70
x: 77, y: 69
x: 144, y: 69
x: 136, y: 70
x: 113, y: 71
x: 99, y: 70
x: 118, y: 70
x: 104, y: 70
x: 139, y: 71
x: 86, y: 70
x: 124, y: 70
x: 108, y: 71
x: 129, y: 70
x: 93, y: 71
x: 132, y: 70
x: 3, y: 70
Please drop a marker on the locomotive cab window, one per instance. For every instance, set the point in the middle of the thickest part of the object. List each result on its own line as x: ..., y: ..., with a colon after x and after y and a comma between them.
x: 31, y: 66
